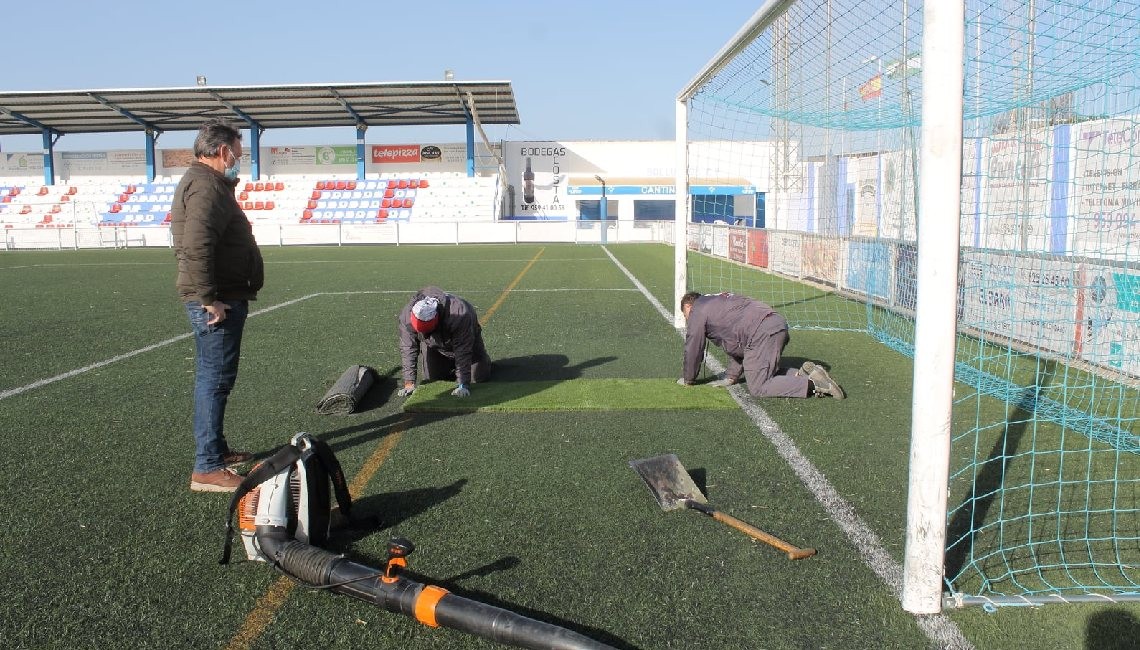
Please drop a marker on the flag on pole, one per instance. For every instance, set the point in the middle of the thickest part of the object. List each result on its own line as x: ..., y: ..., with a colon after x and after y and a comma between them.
x: 872, y: 88
x: 909, y: 65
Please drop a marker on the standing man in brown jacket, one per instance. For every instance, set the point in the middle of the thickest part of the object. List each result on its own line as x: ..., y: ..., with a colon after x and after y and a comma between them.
x: 753, y: 335
x: 219, y: 271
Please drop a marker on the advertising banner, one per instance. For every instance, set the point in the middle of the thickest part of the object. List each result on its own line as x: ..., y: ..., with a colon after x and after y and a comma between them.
x: 784, y: 253
x: 538, y: 176
x: 176, y: 158
x: 23, y: 164
x: 821, y: 259
x: 1104, y: 198
x: 336, y: 155
x: 720, y: 242
x: 868, y: 268
x: 1016, y: 173
x: 758, y: 248
x: 397, y: 153
x: 1108, y: 308
x: 738, y: 245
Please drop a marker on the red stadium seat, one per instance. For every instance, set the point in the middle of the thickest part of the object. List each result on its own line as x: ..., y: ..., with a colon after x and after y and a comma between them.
x: 408, y: 203
x: 123, y: 198
x: 319, y: 186
x: 392, y: 184
x: 389, y: 193
x: 403, y: 183
x: 423, y: 182
x: 65, y: 198
x: 269, y: 205
x: 115, y: 207
x: 243, y: 196
x: 259, y: 205
x: 71, y: 191
x: 386, y: 203
x: 306, y: 215
x: 311, y: 205
x: 248, y: 187
x: 167, y: 219
x: 248, y: 205
x: 259, y: 187
x: 350, y: 185
x: 383, y: 214
x: 55, y: 209
x: 43, y: 191
x: 278, y: 186
x: 316, y: 195
x: 27, y: 209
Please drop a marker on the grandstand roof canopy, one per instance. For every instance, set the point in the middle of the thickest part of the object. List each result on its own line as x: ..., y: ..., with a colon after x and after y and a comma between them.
x: 270, y: 107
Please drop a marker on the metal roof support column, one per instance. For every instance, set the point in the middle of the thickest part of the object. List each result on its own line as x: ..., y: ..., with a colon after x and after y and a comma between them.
x: 150, y: 170
x: 470, y: 146
x: 255, y: 150
x: 360, y: 161
x: 49, y: 158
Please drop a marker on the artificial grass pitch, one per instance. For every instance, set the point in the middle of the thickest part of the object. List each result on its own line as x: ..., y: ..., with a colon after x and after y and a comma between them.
x: 568, y: 395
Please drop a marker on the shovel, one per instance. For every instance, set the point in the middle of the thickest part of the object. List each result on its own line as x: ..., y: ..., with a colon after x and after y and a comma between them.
x: 673, y: 488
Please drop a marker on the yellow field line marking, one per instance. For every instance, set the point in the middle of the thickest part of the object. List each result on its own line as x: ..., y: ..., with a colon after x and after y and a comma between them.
x: 267, y: 606
x: 510, y: 287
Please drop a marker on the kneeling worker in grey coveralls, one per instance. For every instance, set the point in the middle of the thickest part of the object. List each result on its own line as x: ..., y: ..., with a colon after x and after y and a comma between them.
x: 441, y: 332
x: 753, y: 335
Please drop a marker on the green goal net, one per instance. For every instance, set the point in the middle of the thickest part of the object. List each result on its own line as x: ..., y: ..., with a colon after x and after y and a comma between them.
x: 803, y: 159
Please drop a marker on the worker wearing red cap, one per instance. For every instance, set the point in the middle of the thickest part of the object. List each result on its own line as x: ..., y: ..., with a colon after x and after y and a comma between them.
x: 440, y: 336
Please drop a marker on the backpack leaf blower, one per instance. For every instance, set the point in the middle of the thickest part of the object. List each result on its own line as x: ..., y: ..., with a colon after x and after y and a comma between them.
x: 283, y: 508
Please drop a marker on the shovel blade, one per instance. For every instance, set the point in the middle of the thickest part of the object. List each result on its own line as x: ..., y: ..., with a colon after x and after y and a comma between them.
x: 668, y: 480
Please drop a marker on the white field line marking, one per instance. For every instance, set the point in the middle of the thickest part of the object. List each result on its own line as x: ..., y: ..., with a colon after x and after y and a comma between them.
x: 939, y: 628
x: 284, y: 262
x: 12, y: 392
x: 133, y: 353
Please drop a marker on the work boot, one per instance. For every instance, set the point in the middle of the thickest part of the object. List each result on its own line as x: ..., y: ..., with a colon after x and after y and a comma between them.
x: 232, y: 457
x: 222, y: 479
x: 823, y: 383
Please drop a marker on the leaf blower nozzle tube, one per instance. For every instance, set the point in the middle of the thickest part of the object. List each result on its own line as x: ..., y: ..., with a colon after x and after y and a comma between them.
x: 428, y: 604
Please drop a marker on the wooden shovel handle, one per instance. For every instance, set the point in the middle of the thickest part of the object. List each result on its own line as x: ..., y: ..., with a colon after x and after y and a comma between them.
x: 794, y: 552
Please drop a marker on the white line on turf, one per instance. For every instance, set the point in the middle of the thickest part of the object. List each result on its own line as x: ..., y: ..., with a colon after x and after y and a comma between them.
x: 938, y: 628
x: 12, y: 392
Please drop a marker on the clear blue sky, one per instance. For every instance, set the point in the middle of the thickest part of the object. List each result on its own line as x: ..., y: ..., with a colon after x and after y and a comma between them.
x: 581, y: 70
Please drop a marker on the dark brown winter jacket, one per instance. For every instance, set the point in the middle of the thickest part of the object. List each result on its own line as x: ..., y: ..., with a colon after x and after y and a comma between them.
x: 218, y: 258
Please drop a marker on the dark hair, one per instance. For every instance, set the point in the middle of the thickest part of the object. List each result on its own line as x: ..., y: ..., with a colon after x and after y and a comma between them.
x: 689, y: 299
x: 212, y: 135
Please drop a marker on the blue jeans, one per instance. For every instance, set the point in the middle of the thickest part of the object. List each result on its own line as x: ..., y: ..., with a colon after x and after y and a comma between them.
x: 218, y: 349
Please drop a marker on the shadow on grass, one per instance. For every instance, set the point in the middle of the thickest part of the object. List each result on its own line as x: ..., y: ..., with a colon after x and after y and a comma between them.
x: 542, y: 367
x: 1112, y: 629
x: 388, y: 510
x: 990, y: 478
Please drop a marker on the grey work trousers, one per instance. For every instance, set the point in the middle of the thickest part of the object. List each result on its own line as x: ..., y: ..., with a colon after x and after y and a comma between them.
x: 434, y: 365
x: 762, y: 363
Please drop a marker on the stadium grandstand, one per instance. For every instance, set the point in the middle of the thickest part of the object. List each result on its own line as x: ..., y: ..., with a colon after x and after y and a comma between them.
x: 341, y: 192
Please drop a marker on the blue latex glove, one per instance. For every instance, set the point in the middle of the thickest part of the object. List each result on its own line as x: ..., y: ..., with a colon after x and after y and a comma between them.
x: 461, y: 391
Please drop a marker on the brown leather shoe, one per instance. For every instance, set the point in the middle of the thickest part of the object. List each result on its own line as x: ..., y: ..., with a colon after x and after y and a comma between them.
x: 232, y: 457
x: 219, y: 480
